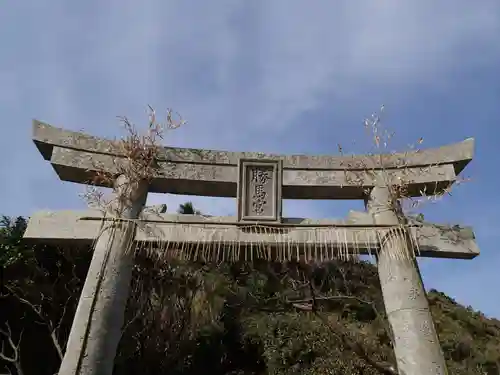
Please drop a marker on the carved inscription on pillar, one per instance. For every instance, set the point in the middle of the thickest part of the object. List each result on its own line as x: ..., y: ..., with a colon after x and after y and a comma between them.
x: 259, y: 190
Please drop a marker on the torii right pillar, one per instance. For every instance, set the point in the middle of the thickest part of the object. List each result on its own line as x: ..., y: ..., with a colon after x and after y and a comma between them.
x: 416, y: 344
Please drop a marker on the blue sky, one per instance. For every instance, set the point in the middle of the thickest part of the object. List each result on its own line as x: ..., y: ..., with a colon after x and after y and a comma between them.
x: 273, y: 76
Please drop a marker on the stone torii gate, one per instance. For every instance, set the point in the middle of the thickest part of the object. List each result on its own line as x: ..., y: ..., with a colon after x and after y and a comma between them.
x: 260, y: 182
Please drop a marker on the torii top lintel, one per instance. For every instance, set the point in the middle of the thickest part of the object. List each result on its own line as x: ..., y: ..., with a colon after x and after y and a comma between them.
x: 74, y: 155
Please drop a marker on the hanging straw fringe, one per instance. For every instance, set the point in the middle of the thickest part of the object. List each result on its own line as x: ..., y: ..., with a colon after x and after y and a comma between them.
x: 223, y: 242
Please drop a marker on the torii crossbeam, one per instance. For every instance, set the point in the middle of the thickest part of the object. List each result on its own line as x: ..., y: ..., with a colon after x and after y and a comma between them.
x: 317, y: 240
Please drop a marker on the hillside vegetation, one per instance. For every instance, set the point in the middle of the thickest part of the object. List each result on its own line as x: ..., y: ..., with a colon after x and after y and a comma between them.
x: 239, y: 319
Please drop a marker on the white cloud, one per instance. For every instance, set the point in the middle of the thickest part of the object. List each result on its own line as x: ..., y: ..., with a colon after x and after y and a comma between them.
x: 237, y: 70
x: 254, y: 64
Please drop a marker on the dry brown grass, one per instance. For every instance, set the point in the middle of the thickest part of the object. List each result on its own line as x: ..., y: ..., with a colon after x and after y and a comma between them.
x: 138, y: 158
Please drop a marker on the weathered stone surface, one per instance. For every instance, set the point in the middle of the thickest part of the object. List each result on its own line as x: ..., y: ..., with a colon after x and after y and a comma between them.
x: 98, y: 321
x: 76, y: 157
x: 259, y: 190
x: 69, y: 228
x: 416, y: 345
x: 458, y: 154
x: 221, y: 180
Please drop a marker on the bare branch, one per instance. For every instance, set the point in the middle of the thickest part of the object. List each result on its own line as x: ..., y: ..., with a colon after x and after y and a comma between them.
x: 47, y: 322
x: 15, y: 358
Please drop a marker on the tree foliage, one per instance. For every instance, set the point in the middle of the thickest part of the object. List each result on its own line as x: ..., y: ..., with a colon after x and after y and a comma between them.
x: 194, y: 319
x: 188, y: 209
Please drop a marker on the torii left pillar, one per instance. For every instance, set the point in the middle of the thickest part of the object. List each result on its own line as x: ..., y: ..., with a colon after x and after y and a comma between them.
x: 98, y: 322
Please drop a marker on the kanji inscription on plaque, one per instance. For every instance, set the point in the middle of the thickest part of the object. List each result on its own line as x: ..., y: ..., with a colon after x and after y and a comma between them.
x: 259, y: 190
